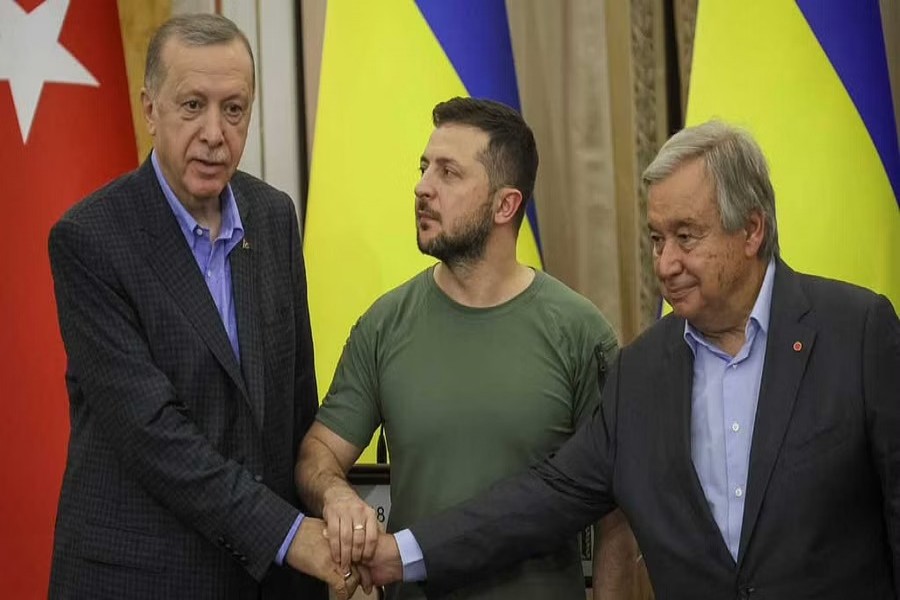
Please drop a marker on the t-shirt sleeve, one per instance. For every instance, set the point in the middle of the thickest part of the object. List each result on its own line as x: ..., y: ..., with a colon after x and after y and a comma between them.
x: 597, y: 350
x: 352, y: 409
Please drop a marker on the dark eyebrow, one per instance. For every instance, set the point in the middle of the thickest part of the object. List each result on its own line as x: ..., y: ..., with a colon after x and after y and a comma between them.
x: 441, y: 161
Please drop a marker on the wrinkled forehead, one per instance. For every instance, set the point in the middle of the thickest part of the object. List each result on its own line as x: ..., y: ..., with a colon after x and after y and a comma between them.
x: 222, y: 59
x: 687, y: 194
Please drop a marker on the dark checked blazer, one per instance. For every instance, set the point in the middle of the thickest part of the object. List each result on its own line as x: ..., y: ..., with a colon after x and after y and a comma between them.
x: 179, y: 476
x: 822, y: 513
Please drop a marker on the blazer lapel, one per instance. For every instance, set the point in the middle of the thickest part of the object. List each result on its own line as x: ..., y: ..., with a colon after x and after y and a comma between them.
x: 245, y: 289
x: 681, y: 366
x: 788, y: 348
x: 168, y: 254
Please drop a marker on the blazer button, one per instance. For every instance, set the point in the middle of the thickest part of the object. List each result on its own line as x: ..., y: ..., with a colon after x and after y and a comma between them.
x: 243, y: 560
x: 257, y: 478
x: 221, y: 541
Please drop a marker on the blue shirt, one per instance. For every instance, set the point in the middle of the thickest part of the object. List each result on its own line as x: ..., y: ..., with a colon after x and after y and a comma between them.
x: 212, y: 258
x: 723, y: 413
x: 211, y: 255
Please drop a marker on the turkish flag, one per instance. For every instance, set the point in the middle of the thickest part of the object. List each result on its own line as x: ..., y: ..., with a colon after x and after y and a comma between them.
x: 56, y: 146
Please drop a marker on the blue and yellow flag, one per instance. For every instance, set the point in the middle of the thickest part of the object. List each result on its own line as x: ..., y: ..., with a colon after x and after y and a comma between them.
x: 384, y: 67
x: 809, y: 80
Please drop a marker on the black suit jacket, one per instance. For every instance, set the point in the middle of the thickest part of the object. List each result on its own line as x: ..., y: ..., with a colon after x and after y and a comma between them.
x: 179, y: 476
x: 822, y: 511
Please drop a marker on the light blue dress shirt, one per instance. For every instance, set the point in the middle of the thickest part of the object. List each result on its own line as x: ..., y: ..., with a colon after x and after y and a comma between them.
x: 212, y: 258
x: 410, y: 556
x: 723, y: 413
x: 211, y: 255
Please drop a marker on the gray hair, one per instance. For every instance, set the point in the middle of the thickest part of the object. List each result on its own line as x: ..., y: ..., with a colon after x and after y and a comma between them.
x: 738, y: 169
x: 201, y: 29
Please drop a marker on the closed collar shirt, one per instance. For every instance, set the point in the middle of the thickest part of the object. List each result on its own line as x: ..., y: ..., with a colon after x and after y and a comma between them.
x: 723, y: 414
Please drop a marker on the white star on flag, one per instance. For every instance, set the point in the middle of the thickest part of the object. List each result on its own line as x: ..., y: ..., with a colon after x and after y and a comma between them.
x: 31, y: 55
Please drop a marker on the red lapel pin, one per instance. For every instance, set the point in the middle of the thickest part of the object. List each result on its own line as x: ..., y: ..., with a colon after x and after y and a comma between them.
x: 798, y: 346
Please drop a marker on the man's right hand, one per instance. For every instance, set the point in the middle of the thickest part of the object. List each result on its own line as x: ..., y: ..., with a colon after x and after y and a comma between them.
x: 352, y: 528
x: 385, y: 565
x: 309, y: 553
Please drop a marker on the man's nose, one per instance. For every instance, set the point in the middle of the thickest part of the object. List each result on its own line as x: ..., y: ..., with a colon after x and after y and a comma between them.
x: 668, y: 259
x: 424, y: 187
x: 212, y: 131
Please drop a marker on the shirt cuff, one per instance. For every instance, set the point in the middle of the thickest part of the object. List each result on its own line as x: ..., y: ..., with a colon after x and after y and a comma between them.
x: 282, y: 552
x: 410, y: 556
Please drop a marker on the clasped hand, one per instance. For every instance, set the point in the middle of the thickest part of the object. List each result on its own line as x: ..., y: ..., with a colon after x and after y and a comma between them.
x: 357, y: 540
x: 345, y: 556
x: 380, y: 566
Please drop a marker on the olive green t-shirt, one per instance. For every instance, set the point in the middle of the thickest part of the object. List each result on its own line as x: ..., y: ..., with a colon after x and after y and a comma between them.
x: 469, y: 396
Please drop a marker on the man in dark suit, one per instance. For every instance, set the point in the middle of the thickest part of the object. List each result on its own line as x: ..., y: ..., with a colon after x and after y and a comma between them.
x: 182, y: 304
x: 752, y: 438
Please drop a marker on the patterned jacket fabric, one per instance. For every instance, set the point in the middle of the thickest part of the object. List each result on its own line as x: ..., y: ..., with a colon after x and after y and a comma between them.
x: 179, y: 481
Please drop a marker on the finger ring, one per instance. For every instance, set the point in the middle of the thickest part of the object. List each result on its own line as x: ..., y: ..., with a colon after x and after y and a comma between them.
x: 348, y: 574
x: 358, y: 527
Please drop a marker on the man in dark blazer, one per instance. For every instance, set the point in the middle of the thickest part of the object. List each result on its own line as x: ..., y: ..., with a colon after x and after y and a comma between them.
x: 182, y: 304
x: 752, y: 438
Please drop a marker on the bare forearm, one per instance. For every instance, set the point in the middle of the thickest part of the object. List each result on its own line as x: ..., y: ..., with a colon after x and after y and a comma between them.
x: 351, y: 527
x: 616, y: 560
x: 318, y: 473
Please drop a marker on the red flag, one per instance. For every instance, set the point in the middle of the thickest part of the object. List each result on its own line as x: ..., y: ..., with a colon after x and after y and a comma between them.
x: 65, y: 130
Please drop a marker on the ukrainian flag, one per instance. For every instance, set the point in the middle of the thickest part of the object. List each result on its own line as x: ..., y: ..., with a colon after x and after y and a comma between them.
x: 384, y: 66
x: 809, y: 80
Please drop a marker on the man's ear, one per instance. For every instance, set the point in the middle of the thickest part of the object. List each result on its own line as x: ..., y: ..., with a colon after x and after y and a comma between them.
x: 755, y: 228
x: 508, y: 203
x: 147, y: 111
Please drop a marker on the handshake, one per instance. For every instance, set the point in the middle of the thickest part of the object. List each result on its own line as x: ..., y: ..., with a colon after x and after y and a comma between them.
x: 347, y: 549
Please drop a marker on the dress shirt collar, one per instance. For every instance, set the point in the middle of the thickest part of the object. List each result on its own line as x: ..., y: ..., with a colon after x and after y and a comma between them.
x: 759, y: 316
x: 231, y: 228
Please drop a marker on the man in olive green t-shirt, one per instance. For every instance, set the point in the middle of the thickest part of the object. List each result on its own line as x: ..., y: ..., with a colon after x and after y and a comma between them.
x: 477, y: 367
